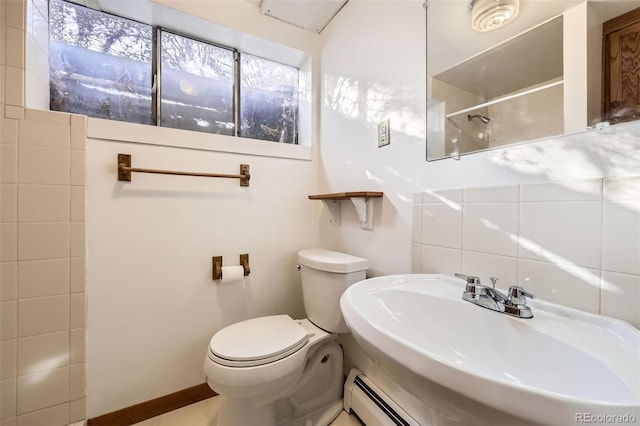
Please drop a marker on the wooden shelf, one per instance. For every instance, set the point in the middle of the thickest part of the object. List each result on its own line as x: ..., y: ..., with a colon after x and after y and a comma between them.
x: 360, y: 200
x: 346, y: 195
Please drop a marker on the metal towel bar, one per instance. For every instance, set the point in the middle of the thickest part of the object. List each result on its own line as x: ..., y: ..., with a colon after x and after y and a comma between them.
x: 125, y: 170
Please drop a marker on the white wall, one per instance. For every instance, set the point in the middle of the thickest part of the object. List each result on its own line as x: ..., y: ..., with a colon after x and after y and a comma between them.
x: 351, y: 160
x: 373, y: 68
x: 379, y: 47
x: 153, y: 306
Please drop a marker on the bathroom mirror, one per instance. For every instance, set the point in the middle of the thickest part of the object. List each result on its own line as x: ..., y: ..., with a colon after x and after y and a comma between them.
x: 537, y: 77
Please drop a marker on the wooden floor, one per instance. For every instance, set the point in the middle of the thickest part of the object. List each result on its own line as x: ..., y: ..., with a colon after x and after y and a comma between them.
x: 204, y: 413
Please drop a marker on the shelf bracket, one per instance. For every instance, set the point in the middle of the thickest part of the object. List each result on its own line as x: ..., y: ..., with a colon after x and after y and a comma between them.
x: 361, y: 201
x: 333, y: 206
x: 365, y: 212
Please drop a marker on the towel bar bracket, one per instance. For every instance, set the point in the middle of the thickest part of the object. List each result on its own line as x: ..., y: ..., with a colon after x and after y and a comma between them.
x: 124, y: 167
x: 244, y: 172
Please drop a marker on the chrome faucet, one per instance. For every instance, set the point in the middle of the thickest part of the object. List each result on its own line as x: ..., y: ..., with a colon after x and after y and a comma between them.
x: 514, y: 303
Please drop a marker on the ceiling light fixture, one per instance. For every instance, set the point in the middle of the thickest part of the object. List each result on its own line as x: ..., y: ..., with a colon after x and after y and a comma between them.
x: 487, y: 15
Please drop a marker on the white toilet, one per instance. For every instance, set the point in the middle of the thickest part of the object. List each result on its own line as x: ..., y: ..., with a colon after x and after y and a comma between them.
x: 278, y: 371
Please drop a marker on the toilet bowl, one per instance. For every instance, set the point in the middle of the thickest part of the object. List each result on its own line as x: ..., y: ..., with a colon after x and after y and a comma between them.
x: 275, y: 370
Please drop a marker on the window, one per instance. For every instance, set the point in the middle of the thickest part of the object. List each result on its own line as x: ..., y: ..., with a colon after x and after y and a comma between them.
x: 103, y: 66
x: 100, y: 65
x: 268, y: 100
x: 197, y: 85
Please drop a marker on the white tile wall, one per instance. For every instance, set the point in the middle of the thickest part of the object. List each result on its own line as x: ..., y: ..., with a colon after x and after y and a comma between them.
x: 621, y: 296
x: 442, y: 225
x: 77, y: 346
x: 43, y: 240
x: 493, y: 194
x: 579, y: 190
x: 42, y: 369
x: 9, y: 283
x: 416, y: 234
x: 43, y: 352
x: 14, y: 92
x: 9, y: 156
x: 15, y: 47
x: 486, y: 265
x: 45, y: 134
x: 441, y: 259
x: 8, y: 359
x: 563, y: 231
x: 77, y: 410
x: 9, y: 131
x: 8, y: 398
x: 576, y: 243
x: 32, y: 197
x: 43, y: 166
x: 15, y: 15
x: 42, y: 219
x: 9, y: 203
x: 49, y: 416
x: 491, y: 228
x: 416, y: 257
x: 43, y: 315
x: 621, y: 236
x: 9, y: 244
x: 41, y: 390
x: 9, y: 320
x: 39, y: 278
x: 566, y: 284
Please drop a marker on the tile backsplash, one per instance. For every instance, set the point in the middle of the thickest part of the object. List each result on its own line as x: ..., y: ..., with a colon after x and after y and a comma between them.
x: 576, y: 243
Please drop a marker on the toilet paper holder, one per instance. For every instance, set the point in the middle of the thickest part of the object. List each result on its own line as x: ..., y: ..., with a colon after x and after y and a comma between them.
x: 217, y: 266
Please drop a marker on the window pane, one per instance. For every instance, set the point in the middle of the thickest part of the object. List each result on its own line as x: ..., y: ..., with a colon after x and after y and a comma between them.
x: 100, y: 64
x: 268, y: 100
x: 197, y: 85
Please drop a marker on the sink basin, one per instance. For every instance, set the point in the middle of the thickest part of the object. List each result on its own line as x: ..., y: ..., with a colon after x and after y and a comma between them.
x: 550, y: 369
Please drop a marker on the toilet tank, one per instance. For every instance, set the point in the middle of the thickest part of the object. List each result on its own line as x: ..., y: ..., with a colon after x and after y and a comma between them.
x: 325, y: 275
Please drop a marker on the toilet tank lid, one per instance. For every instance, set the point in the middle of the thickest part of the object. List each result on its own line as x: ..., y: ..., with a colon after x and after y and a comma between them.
x: 331, y: 261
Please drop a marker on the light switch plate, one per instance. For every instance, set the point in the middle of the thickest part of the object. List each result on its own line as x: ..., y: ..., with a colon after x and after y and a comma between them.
x: 384, y: 134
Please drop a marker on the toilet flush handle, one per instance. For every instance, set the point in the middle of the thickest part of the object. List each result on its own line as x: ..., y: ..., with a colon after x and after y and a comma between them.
x: 298, y: 268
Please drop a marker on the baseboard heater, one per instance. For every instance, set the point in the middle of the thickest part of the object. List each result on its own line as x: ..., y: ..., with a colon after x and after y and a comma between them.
x: 371, y: 405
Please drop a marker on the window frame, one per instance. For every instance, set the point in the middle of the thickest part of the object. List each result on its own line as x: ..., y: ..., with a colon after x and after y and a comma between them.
x: 239, y: 103
x: 156, y: 85
x: 156, y: 95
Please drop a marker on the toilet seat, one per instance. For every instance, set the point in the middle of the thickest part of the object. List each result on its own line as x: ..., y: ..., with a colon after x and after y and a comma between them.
x: 258, y: 341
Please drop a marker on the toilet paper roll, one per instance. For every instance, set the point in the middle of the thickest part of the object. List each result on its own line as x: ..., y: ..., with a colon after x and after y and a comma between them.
x: 231, y: 274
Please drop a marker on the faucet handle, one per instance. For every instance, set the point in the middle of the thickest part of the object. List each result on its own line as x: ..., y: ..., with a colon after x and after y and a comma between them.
x: 473, y: 283
x: 470, y: 279
x: 518, y: 295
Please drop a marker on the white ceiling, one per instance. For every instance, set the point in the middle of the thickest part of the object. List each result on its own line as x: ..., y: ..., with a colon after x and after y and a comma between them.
x: 312, y: 15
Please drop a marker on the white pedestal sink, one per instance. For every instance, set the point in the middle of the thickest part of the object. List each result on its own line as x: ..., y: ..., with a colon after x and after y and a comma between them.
x: 474, y: 366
